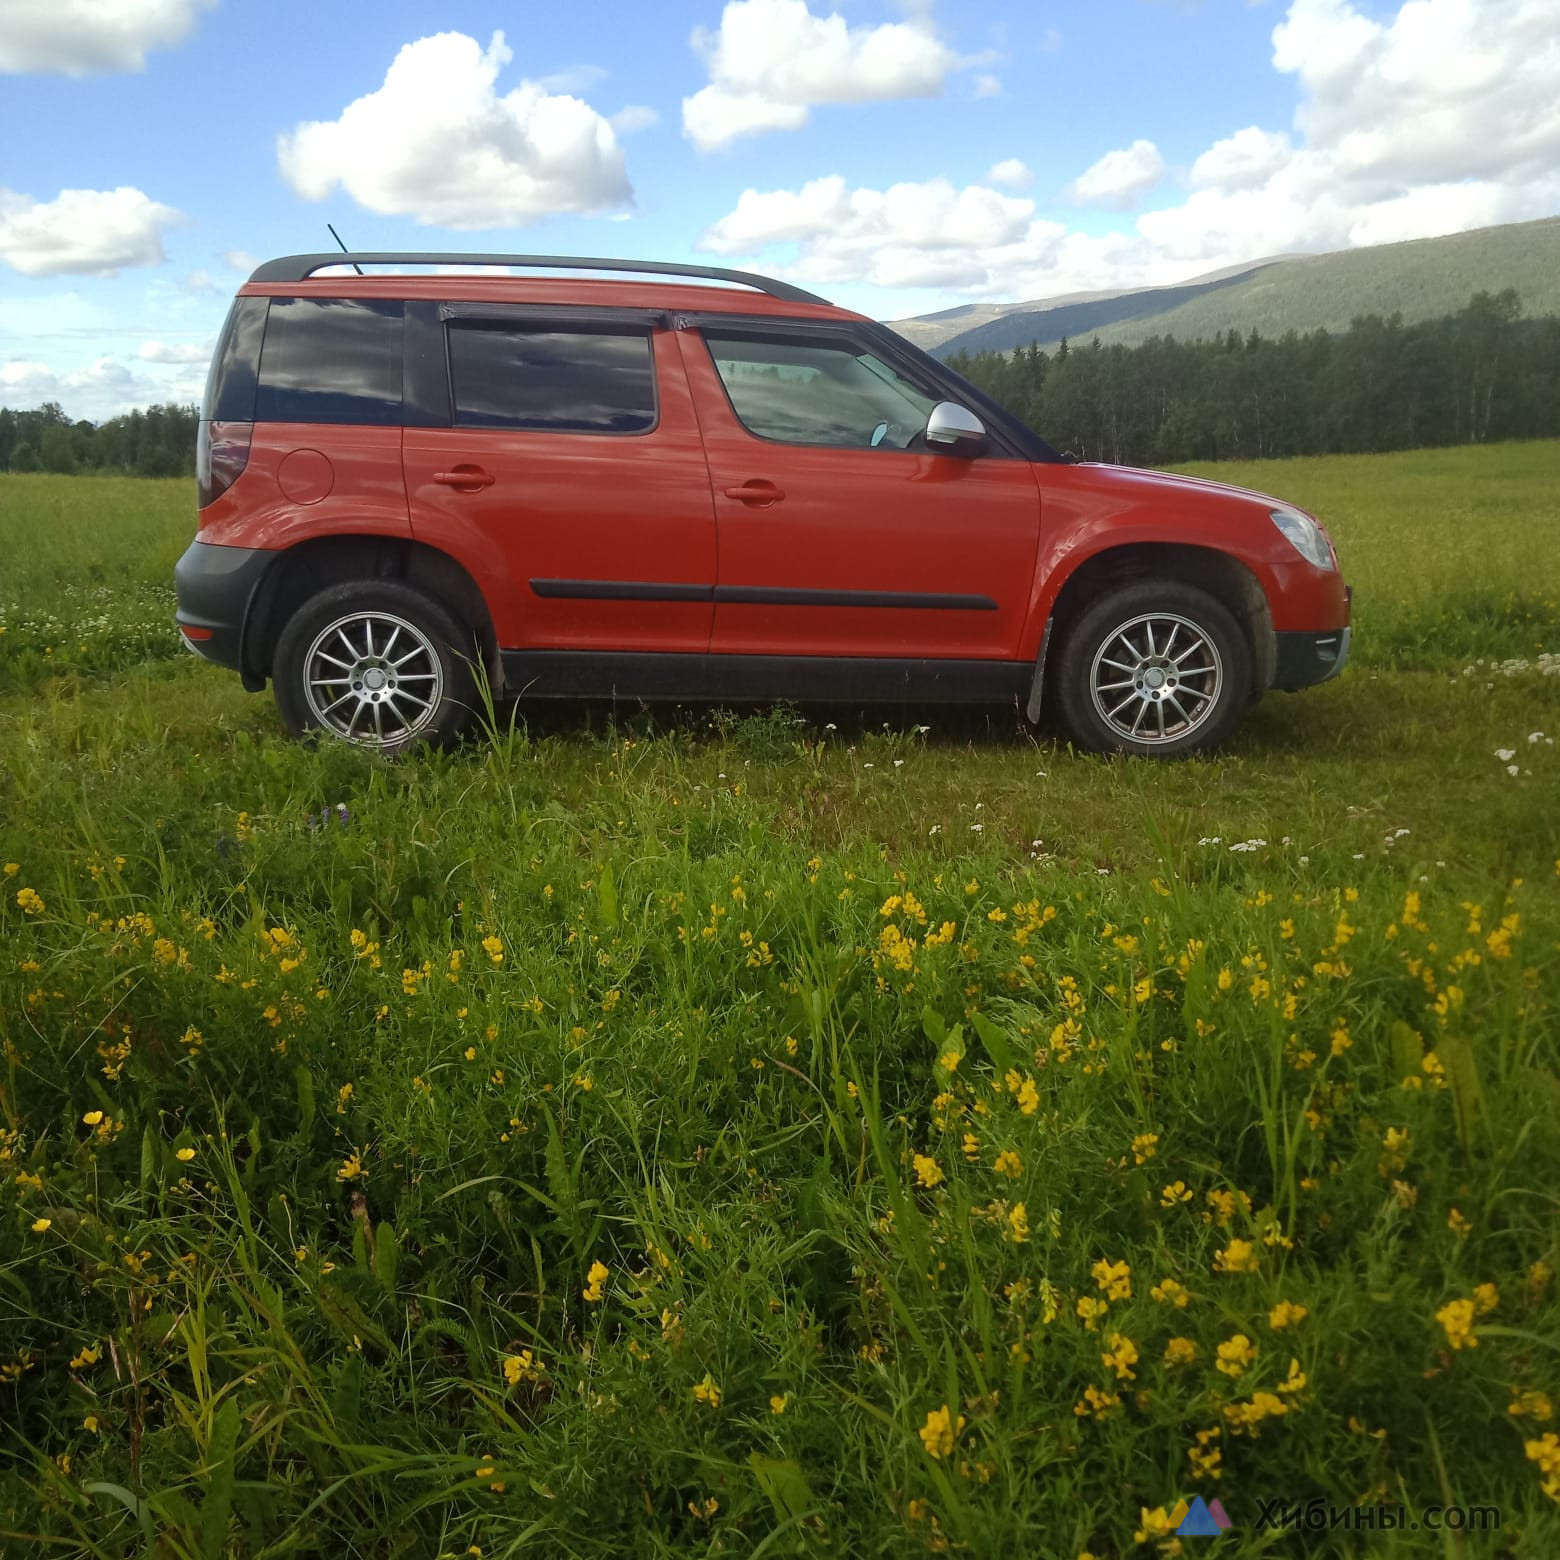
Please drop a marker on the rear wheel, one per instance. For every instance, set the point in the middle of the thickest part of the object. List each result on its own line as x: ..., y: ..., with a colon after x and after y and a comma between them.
x: 378, y: 664
x: 1158, y: 668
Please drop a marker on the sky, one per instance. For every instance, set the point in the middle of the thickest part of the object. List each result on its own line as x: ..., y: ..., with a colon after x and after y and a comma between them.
x: 898, y: 156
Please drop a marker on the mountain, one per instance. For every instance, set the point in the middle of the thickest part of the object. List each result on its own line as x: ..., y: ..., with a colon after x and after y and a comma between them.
x: 1422, y: 279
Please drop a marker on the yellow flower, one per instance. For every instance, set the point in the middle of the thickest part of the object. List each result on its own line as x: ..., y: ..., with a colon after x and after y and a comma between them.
x: 40, y: 1225
x: 1009, y: 1164
x: 1144, y: 1146
x: 1533, y: 1405
x: 1456, y: 1317
x: 92, y: 1118
x: 88, y: 1356
x: 1018, y: 1224
x: 597, y: 1276
x: 493, y: 947
x: 707, y: 1391
x: 1205, y: 1457
x: 1457, y: 1224
x: 1295, y: 1380
x: 927, y: 1171
x: 584, y: 1081
x: 1028, y: 1097
x: 1180, y: 1351
x: 1091, y: 1310
x: 90, y: 1424
x: 779, y: 1403
x: 1174, y: 1194
x: 1169, y: 1292
x: 1096, y: 1402
x: 1485, y: 1298
x: 1113, y: 1279
x: 1546, y: 1453
x: 521, y: 1367
x: 1122, y: 1356
x: 1245, y: 1418
x: 29, y: 900
x: 1238, y: 1257
x: 184, y: 1155
x: 13, y: 867
x: 1156, y: 1524
x: 1285, y: 1314
x: 1235, y: 1354
x: 939, y: 1432
x: 351, y: 1167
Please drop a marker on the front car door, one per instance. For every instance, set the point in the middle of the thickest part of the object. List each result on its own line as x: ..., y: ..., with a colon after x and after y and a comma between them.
x: 841, y: 533
x: 569, y: 477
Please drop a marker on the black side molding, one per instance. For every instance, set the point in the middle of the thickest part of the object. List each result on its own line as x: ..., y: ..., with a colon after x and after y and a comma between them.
x: 758, y: 595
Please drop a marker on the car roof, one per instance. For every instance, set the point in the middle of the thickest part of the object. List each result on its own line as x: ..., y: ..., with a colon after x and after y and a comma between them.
x: 587, y: 291
x: 504, y: 278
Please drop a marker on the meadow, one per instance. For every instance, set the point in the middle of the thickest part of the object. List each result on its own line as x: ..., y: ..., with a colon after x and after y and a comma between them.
x: 792, y: 1132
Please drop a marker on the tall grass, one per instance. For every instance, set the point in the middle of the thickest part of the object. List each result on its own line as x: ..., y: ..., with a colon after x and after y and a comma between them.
x: 779, y: 1135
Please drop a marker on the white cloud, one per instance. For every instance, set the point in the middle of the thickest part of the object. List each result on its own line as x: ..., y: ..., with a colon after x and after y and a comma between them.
x: 909, y: 235
x: 770, y: 61
x: 239, y: 260
x: 174, y: 352
x: 988, y: 86
x: 103, y: 389
x: 633, y: 118
x: 82, y: 232
x: 1119, y: 179
x: 1440, y: 117
x: 1011, y: 171
x: 90, y: 37
x: 439, y: 144
x: 1244, y: 160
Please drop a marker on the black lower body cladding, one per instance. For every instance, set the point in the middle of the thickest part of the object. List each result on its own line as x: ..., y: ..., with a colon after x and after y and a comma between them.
x: 215, y: 588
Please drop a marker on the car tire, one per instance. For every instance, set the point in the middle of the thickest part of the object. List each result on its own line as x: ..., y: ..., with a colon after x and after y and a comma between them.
x: 376, y: 663
x: 1158, y: 668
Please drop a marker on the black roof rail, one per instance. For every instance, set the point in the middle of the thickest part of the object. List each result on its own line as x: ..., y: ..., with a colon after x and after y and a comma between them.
x: 298, y: 268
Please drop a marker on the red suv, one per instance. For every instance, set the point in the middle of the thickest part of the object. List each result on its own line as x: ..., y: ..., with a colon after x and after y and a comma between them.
x: 584, y: 486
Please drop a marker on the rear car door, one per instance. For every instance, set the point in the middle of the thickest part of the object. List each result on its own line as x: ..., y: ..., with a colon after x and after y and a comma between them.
x: 841, y: 533
x: 564, y: 468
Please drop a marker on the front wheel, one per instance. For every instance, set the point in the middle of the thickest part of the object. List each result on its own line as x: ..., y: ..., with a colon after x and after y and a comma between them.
x: 375, y: 663
x: 1160, y: 669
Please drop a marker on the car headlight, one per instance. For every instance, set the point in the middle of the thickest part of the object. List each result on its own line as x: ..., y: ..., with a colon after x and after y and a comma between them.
x: 1306, y: 537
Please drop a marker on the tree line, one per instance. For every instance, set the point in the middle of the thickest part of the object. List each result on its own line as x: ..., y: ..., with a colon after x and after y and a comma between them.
x: 157, y: 442
x: 1481, y: 374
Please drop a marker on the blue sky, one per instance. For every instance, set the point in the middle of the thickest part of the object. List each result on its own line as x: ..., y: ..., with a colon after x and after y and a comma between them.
x: 897, y: 155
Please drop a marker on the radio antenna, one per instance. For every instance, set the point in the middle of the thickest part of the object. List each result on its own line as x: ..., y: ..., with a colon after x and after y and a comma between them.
x: 337, y: 236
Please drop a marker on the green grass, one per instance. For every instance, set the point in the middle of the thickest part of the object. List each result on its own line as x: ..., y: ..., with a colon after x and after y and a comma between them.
x: 327, y: 1081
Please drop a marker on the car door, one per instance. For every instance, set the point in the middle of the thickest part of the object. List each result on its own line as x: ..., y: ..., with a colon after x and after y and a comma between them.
x: 841, y: 533
x: 571, y: 478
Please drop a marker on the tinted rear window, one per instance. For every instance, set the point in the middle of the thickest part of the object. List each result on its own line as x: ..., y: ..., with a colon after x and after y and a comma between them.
x: 331, y: 360
x: 566, y: 381
x: 230, y: 386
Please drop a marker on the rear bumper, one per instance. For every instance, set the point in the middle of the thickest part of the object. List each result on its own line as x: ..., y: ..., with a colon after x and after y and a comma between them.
x: 1307, y: 659
x: 215, y: 588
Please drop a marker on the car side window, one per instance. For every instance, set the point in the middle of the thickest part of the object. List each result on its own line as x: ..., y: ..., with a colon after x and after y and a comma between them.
x: 797, y: 391
x: 331, y: 360
x: 563, y: 381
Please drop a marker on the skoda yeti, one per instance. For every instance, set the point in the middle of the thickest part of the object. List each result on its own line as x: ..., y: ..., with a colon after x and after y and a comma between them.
x: 714, y: 487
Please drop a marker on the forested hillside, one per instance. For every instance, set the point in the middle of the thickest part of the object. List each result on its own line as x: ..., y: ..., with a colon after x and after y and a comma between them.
x: 1484, y: 373
x: 1423, y: 279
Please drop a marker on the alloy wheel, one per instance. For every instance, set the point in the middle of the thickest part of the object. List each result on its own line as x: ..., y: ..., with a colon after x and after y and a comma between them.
x: 1156, y: 679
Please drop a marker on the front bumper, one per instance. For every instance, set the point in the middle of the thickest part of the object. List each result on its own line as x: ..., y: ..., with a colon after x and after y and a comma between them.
x: 216, y: 586
x: 1307, y: 659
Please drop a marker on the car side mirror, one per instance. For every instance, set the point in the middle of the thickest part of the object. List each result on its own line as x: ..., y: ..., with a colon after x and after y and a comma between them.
x: 955, y: 430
